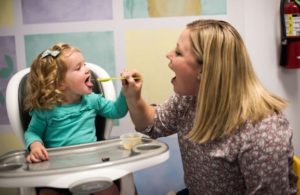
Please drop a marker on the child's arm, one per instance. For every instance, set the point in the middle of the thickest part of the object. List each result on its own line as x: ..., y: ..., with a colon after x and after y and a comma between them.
x: 37, y: 153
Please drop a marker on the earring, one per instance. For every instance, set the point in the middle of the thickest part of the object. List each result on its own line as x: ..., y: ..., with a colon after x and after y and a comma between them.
x: 199, y: 76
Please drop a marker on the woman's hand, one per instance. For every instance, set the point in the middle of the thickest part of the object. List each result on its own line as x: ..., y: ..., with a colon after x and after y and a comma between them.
x: 37, y: 153
x: 132, y: 85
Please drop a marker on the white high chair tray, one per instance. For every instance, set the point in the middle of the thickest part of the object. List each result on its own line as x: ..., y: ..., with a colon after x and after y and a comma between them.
x: 106, y: 160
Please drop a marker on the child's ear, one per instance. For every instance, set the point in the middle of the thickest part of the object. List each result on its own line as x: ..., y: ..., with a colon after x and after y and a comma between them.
x: 61, y: 86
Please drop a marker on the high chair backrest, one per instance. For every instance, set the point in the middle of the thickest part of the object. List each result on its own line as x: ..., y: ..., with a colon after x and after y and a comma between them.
x: 19, y: 118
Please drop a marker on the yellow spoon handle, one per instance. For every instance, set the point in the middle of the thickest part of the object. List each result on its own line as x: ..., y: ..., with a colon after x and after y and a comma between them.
x: 113, y: 78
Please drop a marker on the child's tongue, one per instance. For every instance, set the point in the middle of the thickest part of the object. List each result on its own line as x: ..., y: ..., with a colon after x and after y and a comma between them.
x: 89, y: 83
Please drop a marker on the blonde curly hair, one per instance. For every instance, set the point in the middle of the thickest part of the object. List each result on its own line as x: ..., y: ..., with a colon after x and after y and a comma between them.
x: 46, y: 74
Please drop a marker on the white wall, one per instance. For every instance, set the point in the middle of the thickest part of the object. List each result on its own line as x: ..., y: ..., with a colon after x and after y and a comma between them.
x: 262, y: 37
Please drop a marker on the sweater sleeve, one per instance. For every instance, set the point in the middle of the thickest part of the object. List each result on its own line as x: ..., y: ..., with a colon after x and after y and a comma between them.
x: 35, y: 129
x: 111, y: 109
x: 165, y: 120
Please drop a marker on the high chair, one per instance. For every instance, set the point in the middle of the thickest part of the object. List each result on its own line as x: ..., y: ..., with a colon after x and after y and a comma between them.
x: 19, y: 119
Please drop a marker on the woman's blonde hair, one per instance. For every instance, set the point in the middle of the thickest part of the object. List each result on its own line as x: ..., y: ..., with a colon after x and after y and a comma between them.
x: 229, y: 92
x: 46, y: 74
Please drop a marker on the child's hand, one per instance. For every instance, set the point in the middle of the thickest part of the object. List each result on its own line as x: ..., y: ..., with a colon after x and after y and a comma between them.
x: 132, y: 87
x: 37, y: 153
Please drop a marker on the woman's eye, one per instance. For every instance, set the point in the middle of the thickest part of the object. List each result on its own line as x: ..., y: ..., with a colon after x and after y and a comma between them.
x: 177, y: 53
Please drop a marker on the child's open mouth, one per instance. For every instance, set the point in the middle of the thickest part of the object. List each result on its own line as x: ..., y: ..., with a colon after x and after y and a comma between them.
x: 88, y: 82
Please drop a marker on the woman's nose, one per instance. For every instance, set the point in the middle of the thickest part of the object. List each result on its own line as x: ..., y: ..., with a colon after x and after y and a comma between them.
x: 169, y: 55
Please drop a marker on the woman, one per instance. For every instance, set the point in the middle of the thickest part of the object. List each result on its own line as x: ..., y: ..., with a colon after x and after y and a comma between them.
x: 233, y: 136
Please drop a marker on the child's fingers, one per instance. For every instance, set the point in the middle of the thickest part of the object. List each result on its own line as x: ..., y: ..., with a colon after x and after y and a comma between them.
x: 45, y: 154
x: 33, y: 159
x: 28, y: 159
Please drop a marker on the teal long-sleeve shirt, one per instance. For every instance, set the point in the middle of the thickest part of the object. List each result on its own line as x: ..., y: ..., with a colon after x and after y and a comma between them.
x: 72, y: 124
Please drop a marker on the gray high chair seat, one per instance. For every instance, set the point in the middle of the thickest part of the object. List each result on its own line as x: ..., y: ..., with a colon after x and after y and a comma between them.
x: 20, y: 118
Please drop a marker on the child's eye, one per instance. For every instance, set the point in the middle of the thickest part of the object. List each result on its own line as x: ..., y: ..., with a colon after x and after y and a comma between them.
x: 80, y: 66
x: 77, y: 67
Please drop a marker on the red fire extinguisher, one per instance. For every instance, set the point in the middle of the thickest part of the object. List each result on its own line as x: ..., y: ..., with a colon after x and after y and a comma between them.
x: 290, y: 33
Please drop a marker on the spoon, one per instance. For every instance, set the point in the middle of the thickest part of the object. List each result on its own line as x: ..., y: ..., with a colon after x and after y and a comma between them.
x: 113, y: 78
